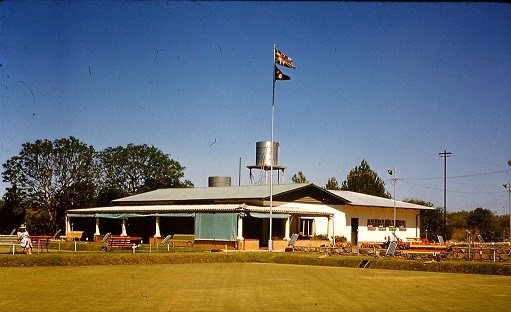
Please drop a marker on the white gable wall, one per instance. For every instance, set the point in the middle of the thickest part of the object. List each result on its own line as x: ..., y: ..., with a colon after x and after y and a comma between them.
x: 344, y: 213
x: 321, y: 223
x: 376, y: 233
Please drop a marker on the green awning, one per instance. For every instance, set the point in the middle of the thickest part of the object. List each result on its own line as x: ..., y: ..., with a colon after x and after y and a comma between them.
x: 264, y: 215
x: 81, y: 215
x: 128, y: 215
x: 216, y: 226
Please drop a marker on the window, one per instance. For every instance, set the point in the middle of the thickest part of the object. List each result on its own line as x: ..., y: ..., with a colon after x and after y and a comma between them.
x: 371, y: 223
x: 401, y: 224
x: 306, y: 227
x: 389, y: 223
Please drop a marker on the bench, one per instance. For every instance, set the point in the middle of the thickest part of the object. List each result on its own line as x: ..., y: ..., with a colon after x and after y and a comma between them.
x: 123, y: 242
x: 41, y: 242
x: 9, y: 240
x: 72, y: 235
x: 182, y: 239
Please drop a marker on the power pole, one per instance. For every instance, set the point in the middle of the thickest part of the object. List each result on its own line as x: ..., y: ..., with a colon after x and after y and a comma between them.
x: 508, y: 187
x: 509, y: 191
x: 445, y: 154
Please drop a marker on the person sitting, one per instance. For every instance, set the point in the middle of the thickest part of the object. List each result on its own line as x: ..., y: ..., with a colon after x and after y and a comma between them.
x: 24, y: 238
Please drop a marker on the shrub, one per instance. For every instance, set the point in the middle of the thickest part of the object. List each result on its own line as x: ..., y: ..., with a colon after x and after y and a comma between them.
x: 183, y: 256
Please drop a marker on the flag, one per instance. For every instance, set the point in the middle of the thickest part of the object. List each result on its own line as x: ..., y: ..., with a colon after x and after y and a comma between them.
x: 279, y: 75
x: 282, y: 59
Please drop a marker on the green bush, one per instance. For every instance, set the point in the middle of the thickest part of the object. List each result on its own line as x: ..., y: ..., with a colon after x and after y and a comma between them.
x: 192, y: 255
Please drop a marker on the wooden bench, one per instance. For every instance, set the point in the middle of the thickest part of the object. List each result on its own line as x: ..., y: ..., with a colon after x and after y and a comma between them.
x: 72, y: 235
x: 123, y: 242
x: 9, y: 240
x: 41, y: 242
x: 182, y: 239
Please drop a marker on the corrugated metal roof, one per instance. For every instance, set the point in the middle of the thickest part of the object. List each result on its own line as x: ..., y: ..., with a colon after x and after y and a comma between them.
x: 212, y: 193
x: 359, y: 199
x: 156, y: 209
x: 248, y: 192
x: 198, y: 208
x: 187, y: 196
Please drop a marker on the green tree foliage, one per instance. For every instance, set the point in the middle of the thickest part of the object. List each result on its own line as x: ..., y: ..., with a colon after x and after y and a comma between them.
x: 485, y: 223
x: 12, y: 213
x: 503, y: 223
x: 135, y: 169
x: 332, y: 184
x: 362, y: 179
x: 431, y: 221
x: 46, y: 179
x: 457, y: 225
x: 299, y: 178
x: 479, y: 221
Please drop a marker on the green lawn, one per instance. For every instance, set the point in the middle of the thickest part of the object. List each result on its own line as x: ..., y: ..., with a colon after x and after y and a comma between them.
x: 246, y: 287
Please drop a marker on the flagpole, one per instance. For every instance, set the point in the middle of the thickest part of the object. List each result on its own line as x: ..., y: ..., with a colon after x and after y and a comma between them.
x: 270, y: 242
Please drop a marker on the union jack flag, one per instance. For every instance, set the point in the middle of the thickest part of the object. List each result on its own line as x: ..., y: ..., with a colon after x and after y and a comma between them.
x: 282, y: 59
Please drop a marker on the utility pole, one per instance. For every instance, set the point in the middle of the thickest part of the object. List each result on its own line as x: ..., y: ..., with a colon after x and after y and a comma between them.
x: 445, y: 154
x: 509, y: 191
x: 508, y: 187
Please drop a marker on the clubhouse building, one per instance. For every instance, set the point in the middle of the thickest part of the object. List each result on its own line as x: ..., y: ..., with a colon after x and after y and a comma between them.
x: 238, y: 217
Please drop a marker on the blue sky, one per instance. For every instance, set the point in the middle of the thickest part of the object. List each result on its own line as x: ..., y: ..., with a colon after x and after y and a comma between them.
x: 392, y: 83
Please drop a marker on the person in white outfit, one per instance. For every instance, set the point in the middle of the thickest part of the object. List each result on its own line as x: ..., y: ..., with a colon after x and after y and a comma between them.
x: 24, y: 238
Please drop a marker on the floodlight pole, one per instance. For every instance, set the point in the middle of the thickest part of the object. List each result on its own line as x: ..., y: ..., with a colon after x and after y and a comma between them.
x: 392, y: 172
x: 445, y: 154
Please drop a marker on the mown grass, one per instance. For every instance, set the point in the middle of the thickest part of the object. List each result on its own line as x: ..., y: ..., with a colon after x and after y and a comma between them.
x: 248, y: 286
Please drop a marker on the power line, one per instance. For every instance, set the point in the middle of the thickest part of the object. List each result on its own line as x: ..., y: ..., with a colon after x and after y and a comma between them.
x: 461, y: 176
x: 451, y: 191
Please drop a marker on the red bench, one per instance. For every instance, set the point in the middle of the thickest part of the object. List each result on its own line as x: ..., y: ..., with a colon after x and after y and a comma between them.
x: 40, y: 242
x: 123, y: 242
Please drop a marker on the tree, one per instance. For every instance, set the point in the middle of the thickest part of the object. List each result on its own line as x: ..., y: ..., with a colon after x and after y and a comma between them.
x: 48, y: 178
x: 332, y: 184
x: 485, y: 223
x: 300, y: 178
x: 12, y: 212
x: 431, y: 221
x: 42, y: 175
x: 457, y: 225
x: 364, y: 180
x: 503, y: 223
x: 135, y: 169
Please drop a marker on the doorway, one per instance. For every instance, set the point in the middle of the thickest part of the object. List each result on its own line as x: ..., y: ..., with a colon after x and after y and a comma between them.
x: 354, y: 231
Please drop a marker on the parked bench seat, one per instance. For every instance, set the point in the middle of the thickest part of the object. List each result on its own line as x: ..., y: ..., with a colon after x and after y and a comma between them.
x: 9, y: 240
x: 124, y: 242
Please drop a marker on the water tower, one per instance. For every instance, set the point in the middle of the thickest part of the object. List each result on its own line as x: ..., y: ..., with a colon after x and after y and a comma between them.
x: 267, y: 158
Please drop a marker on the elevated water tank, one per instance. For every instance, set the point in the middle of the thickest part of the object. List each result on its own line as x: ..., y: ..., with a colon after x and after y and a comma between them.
x: 264, y: 153
x: 219, y: 181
